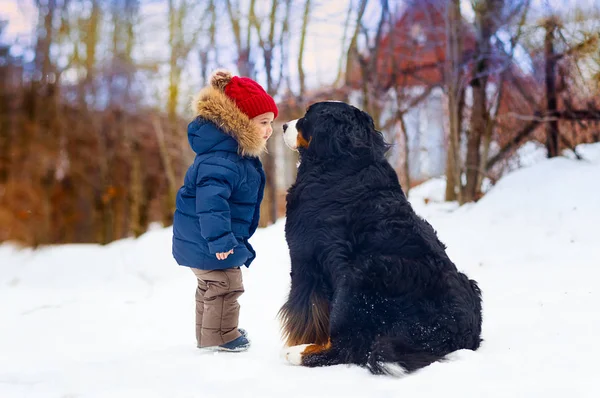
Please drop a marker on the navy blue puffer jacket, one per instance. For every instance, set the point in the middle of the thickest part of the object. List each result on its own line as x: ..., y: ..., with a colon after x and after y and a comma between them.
x: 218, y: 206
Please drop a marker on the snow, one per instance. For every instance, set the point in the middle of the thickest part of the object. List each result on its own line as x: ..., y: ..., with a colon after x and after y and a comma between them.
x: 118, y: 321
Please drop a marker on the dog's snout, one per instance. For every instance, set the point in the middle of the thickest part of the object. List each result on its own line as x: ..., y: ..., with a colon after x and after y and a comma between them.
x: 285, y: 126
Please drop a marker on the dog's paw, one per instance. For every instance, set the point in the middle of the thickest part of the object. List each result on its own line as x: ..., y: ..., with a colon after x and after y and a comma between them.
x: 294, y: 354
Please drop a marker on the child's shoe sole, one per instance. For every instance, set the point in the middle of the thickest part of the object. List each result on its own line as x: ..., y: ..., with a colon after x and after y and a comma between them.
x: 223, y: 349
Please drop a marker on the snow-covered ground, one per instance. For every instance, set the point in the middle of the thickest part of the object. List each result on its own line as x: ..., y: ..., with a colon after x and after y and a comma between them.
x: 118, y: 321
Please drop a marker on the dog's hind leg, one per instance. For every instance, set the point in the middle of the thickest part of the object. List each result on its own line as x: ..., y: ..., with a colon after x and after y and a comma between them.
x: 305, y: 315
x: 350, y: 338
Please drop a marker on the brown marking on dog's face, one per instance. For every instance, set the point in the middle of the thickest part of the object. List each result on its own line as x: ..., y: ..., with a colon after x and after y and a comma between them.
x: 302, y: 142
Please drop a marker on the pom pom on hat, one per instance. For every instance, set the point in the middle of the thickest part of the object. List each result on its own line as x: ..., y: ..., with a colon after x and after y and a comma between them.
x: 220, y: 78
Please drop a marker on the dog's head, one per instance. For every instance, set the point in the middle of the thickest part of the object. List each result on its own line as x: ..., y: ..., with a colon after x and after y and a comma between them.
x: 333, y: 130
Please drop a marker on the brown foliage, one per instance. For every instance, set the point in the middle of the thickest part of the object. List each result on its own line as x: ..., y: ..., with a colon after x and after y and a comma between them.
x: 79, y: 175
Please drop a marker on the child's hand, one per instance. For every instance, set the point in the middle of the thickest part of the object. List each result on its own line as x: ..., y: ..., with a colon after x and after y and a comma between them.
x: 224, y: 255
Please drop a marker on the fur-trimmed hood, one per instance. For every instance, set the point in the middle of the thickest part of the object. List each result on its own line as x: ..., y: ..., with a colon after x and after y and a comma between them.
x: 212, y: 105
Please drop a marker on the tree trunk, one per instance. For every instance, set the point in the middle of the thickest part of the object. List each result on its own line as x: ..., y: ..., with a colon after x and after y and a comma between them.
x: 244, y: 63
x: 406, y: 154
x: 353, y: 47
x: 550, y: 80
x: 455, y: 94
x: 171, y: 193
x: 478, y: 126
x: 487, y: 137
x: 269, y: 204
x: 136, y: 193
x: 340, y: 62
x: 174, y: 56
x: 486, y: 13
x: 301, y: 78
x: 5, y: 121
x: 45, y: 36
x: 91, y: 41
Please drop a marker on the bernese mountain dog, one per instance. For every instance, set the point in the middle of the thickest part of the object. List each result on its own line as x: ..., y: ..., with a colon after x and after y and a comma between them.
x: 371, y: 283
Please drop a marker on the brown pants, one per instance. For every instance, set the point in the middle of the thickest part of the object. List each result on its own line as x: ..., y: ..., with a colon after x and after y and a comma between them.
x: 217, y: 309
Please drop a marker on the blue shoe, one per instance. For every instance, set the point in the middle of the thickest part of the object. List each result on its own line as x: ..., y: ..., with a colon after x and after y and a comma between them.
x: 226, y: 347
x: 238, y: 345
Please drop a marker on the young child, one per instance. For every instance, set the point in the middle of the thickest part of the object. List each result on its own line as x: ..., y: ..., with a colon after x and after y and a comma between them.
x: 218, y: 204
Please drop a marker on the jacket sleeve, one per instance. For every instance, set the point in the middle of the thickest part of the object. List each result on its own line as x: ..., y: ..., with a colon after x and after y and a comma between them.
x: 214, y: 184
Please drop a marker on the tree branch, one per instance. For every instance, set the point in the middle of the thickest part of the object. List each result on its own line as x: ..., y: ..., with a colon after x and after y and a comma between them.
x: 514, y: 143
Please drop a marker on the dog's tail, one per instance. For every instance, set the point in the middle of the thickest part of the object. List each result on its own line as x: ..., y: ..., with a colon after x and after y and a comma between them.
x: 392, y: 356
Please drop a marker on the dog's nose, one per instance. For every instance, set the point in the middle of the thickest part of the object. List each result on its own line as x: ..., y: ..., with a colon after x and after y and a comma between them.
x: 285, y: 126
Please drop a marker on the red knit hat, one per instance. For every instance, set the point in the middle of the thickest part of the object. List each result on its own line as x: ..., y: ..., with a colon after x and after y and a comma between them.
x: 247, y: 94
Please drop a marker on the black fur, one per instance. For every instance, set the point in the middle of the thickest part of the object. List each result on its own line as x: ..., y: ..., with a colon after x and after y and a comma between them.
x: 393, y: 294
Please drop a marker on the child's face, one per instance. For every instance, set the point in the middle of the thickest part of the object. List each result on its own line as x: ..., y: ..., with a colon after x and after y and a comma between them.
x: 263, y: 122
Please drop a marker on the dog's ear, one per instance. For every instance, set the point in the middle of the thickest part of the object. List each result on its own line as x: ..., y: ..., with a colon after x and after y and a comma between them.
x: 364, y: 118
x: 347, y: 132
x: 375, y: 139
x: 334, y: 135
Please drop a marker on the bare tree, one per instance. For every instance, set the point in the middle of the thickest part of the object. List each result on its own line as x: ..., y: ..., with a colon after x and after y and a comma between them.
x: 494, y: 107
x: 488, y: 19
x: 478, y: 66
x: 181, y: 43
x: 243, y: 41
x: 455, y: 93
x: 555, y: 61
x: 353, y: 46
x: 208, y: 42
x: 339, y: 76
x: 301, y: 77
x: 550, y: 84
